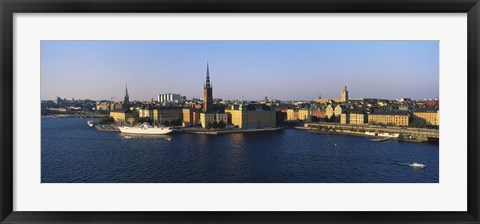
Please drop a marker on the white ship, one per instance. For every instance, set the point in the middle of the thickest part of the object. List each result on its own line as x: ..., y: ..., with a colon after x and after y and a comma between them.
x: 145, y: 129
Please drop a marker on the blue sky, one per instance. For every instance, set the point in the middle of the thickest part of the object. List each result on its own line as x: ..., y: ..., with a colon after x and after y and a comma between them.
x: 286, y: 70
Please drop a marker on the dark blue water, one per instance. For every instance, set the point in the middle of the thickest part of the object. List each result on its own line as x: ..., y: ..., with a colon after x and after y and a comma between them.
x: 74, y: 152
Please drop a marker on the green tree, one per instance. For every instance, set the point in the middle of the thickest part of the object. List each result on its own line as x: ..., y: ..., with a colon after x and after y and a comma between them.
x: 208, y: 125
x: 178, y: 122
x: 332, y: 118
x: 106, y: 120
x: 221, y: 124
x: 215, y: 124
x: 143, y: 119
x: 135, y: 113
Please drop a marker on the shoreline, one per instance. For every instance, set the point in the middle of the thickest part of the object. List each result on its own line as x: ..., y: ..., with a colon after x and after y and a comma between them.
x: 360, y: 134
x: 216, y: 132
x: 54, y: 116
x: 114, y: 128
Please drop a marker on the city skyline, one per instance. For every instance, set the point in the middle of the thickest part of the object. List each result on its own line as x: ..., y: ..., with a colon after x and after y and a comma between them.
x: 250, y: 70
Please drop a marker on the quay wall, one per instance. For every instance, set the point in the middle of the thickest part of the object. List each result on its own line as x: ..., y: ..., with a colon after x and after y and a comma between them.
x: 413, y: 134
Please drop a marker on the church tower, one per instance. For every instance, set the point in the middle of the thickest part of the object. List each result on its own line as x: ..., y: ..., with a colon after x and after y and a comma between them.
x: 344, y: 95
x: 207, y: 94
x: 126, y: 100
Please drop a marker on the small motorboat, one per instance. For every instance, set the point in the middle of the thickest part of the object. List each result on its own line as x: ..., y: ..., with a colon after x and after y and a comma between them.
x: 90, y: 123
x: 417, y: 165
x: 379, y: 139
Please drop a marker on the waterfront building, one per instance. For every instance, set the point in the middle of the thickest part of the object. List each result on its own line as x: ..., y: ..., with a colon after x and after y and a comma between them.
x: 102, y: 105
x: 329, y: 111
x: 146, y: 112
x: 345, y: 118
x: 389, y: 118
x: 304, y: 114
x: 219, y: 117
x: 357, y: 117
x: 207, y: 94
x: 339, y: 109
x: 118, y: 106
x: 426, y: 117
x: 319, y: 113
x: 167, y: 114
x: 251, y: 117
x: 191, y: 116
x: 206, y: 118
x: 121, y: 116
x: 168, y: 98
x: 344, y: 95
x: 292, y: 115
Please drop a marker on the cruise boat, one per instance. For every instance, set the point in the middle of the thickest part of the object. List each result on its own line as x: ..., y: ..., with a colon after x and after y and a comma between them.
x: 146, y: 129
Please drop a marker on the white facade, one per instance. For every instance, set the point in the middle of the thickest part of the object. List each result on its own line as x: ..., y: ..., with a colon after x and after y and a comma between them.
x: 168, y: 97
x: 145, y: 113
x: 304, y: 114
x: 221, y: 117
x: 211, y: 117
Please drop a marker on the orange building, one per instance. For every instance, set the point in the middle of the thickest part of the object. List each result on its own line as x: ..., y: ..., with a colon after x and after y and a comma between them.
x: 191, y: 117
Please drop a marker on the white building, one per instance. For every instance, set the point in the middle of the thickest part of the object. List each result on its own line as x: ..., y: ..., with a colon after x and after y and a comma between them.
x: 168, y: 97
x: 145, y: 112
x: 212, y: 117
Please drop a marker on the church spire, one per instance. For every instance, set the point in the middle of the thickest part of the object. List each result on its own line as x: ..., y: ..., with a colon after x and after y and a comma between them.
x: 207, y: 84
x: 127, y: 98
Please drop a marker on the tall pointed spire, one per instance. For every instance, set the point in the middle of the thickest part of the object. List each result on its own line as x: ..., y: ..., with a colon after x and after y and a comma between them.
x: 127, y: 98
x: 207, y: 83
x: 345, y: 88
x: 207, y: 94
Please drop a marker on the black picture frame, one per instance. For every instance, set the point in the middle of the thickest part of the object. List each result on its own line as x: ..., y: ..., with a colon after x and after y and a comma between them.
x: 9, y: 7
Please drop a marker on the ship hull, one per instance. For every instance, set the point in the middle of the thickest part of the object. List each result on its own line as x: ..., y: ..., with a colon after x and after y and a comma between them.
x: 145, y: 131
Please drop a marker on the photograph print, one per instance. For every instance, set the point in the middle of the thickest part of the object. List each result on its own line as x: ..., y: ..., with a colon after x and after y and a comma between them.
x: 226, y: 111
